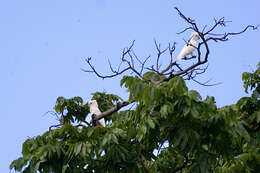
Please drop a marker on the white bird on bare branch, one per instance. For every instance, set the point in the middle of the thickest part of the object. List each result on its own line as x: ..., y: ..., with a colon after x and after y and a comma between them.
x: 93, y: 105
x: 189, y: 48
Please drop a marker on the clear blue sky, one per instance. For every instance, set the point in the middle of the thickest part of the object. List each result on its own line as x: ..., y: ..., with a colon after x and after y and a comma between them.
x: 43, y: 43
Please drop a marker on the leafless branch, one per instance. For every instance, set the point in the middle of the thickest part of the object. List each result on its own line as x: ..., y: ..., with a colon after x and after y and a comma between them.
x: 55, y: 126
x: 186, y: 29
x: 93, y: 70
x: 52, y: 113
x: 136, y: 66
x: 205, y: 83
x: 159, y: 53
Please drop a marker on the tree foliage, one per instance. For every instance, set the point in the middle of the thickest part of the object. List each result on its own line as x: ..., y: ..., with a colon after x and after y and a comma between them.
x: 171, y: 129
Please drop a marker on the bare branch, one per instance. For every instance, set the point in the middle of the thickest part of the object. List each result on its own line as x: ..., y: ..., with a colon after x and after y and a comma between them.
x: 186, y: 29
x: 160, y: 52
x: 205, y: 83
x: 55, y: 126
x: 102, y: 76
x: 224, y: 37
x: 137, y: 66
x: 52, y: 113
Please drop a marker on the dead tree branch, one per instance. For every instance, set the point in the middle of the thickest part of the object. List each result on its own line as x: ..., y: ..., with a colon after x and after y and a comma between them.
x: 172, y: 69
x: 55, y: 126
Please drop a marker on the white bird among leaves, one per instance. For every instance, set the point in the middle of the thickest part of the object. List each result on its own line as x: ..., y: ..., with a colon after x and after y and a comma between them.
x: 93, y: 105
x: 189, y: 48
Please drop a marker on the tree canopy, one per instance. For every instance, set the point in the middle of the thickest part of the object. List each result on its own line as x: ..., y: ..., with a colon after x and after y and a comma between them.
x: 168, y: 127
x: 171, y: 129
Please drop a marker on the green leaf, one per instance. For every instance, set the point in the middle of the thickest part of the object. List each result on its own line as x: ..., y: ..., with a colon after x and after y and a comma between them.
x: 258, y: 116
x: 104, y: 141
x: 139, y: 137
x: 90, y: 131
x: 118, y: 131
x: 164, y: 111
x: 114, y: 138
x: 77, y: 148
x: 242, y: 132
x: 177, y: 86
x: 18, y: 164
x: 143, y: 129
x: 64, y: 168
x: 131, y: 132
x: 150, y: 123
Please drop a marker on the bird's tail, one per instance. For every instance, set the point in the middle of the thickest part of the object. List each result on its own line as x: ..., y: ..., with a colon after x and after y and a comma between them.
x: 179, y: 58
x: 102, y: 122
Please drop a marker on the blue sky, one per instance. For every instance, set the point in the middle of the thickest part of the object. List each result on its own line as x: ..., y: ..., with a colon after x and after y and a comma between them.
x: 43, y: 44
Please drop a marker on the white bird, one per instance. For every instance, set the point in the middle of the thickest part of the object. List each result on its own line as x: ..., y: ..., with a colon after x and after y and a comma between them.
x: 189, y: 48
x: 94, y: 110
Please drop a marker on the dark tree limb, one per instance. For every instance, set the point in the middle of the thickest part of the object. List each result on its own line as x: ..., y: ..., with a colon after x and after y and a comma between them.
x: 52, y: 113
x: 206, y: 83
x: 110, y: 111
x: 55, y: 126
x: 116, y: 73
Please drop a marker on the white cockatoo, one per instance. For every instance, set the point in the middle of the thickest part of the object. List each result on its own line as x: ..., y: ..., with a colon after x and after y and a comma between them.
x: 189, y: 48
x: 94, y: 110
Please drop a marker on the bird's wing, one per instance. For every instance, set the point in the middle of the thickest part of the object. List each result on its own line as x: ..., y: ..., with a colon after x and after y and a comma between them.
x: 102, y: 122
x: 96, y: 111
x: 186, y: 50
x: 182, y: 53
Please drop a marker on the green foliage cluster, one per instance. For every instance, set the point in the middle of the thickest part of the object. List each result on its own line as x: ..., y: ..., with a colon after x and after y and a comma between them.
x: 171, y: 129
x: 252, y: 80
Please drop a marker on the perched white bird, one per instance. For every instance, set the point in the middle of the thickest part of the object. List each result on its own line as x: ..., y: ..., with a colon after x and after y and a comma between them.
x: 94, y: 110
x: 189, y: 48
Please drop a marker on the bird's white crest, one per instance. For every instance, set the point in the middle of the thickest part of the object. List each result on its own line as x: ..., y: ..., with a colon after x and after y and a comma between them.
x: 92, y: 103
x: 189, y: 48
x: 195, y: 36
x: 93, y: 106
